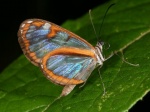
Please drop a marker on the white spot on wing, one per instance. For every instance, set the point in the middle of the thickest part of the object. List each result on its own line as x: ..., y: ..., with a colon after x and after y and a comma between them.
x: 22, y: 25
x: 21, y: 31
x: 48, y: 76
x: 42, y: 66
x: 46, y: 26
x: 29, y: 21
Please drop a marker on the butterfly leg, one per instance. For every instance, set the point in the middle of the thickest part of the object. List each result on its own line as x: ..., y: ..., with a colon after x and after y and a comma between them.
x: 82, y: 85
x: 124, y: 60
x: 109, y: 56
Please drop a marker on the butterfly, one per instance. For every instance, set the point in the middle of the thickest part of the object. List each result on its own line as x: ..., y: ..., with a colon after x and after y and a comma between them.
x: 64, y: 58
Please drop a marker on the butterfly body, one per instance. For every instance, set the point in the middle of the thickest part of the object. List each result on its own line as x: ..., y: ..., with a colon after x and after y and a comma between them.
x: 64, y: 58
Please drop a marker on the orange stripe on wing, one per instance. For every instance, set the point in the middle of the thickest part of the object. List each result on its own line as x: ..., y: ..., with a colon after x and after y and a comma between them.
x: 38, y: 23
x: 70, y: 51
x: 53, y: 31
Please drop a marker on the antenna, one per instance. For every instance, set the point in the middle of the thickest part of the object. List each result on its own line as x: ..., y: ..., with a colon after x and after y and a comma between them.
x: 102, y: 21
x: 93, y: 24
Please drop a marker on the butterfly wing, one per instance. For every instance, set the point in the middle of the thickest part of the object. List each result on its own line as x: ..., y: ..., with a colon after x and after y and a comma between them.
x: 38, y: 37
x: 68, y: 66
x: 64, y: 57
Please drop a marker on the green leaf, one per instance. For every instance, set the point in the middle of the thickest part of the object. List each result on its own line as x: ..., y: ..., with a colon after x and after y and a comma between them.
x: 23, y: 88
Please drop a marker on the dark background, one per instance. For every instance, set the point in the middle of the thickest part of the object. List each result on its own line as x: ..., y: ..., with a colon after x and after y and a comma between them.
x: 13, y: 12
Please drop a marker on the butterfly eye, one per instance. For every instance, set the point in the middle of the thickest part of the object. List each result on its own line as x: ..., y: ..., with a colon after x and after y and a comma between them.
x: 102, y: 43
x: 106, y: 46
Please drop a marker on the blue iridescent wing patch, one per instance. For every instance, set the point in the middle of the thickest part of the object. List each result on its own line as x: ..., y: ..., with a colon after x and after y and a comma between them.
x: 71, y: 66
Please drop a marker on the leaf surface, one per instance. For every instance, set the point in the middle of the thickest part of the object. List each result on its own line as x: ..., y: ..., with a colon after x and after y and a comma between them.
x: 23, y: 88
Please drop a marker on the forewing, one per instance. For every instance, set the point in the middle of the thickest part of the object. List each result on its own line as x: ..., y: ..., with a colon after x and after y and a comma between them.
x: 38, y: 37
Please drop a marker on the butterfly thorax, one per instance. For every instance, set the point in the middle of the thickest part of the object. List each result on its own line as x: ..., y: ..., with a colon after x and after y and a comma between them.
x: 98, y: 50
